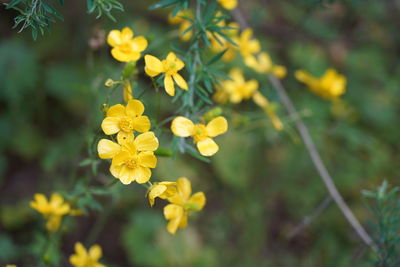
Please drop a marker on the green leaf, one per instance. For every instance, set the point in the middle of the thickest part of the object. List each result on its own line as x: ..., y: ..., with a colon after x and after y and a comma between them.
x: 163, y: 3
x: 216, y: 57
x: 13, y: 4
x: 90, y: 5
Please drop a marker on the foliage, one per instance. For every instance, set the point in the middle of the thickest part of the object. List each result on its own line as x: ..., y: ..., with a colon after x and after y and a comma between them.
x: 384, y: 203
x: 259, y: 185
x: 38, y: 15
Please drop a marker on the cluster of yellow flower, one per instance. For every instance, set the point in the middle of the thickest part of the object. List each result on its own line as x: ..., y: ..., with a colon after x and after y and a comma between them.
x: 236, y: 89
x: 132, y: 155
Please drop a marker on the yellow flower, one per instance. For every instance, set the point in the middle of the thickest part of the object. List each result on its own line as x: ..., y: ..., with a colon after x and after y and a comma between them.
x: 185, y: 24
x: 132, y: 158
x: 52, y: 210
x: 228, y: 4
x: 237, y: 89
x: 123, y: 120
x: 221, y: 44
x: 202, y: 134
x: 182, y: 204
x: 263, y: 102
x: 261, y: 63
x: 11, y: 265
x: 125, y: 47
x: 127, y: 92
x: 170, y: 66
x: 162, y: 190
x: 279, y: 71
x: 84, y: 258
x: 330, y: 86
x: 248, y: 46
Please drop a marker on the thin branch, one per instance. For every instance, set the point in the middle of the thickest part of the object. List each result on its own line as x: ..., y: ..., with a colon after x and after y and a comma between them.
x: 308, y: 219
x: 312, y: 150
x: 319, y: 164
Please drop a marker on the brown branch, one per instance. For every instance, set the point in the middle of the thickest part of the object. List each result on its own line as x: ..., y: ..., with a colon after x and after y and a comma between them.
x: 312, y: 150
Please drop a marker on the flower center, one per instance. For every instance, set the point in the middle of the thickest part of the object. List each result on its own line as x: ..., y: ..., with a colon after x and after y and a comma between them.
x: 200, y: 132
x: 170, y: 67
x: 132, y: 162
x: 126, y: 124
x: 125, y: 47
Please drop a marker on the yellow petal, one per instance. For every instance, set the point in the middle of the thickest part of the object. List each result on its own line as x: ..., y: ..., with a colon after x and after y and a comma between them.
x: 114, y: 38
x: 110, y: 125
x: 107, y: 149
x: 182, y: 127
x: 126, y: 175
x: 126, y: 34
x: 207, y: 147
x: 155, y: 191
x: 254, y: 46
x: 146, y: 142
x: 120, y: 158
x: 147, y: 159
x: 184, y: 220
x: 141, y: 124
x: 197, y: 201
x: 180, y: 81
x: 40, y: 202
x: 171, y: 57
x: 80, y: 249
x: 95, y: 252
x: 228, y: 4
x: 114, y: 170
x: 139, y: 43
x: 127, y: 94
x: 184, y: 188
x: 134, y: 108
x: 279, y: 71
x: 174, y: 214
x: 116, y: 111
x: 179, y: 64
x: 53, y: 223
x: 142, y: 174
x: 169, y: 85
x: 125, y: 137
x: 303, y: 76
x: 120, y: 55
x: 154, y: 66
x: 217, y: 126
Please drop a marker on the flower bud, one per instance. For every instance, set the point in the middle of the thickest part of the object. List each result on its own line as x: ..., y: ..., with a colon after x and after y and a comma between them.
x: 109, y: 83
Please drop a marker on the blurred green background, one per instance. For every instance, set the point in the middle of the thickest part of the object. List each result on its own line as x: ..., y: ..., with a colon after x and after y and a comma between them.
x: 51, y: 91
